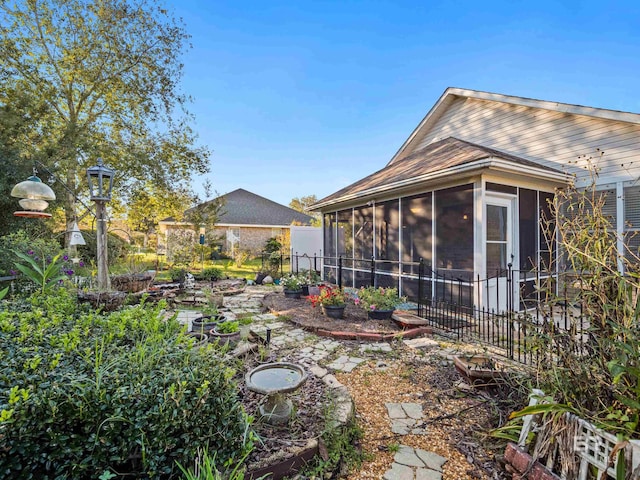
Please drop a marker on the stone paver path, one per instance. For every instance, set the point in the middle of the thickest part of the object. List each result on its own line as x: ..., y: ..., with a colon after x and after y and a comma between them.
x: 415, y: 464
x: 345, y: 363
x: 310, y: 350
x: 405, y: 418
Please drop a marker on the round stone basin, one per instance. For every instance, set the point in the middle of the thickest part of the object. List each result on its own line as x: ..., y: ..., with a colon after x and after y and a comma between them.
x: 274, y: 380
x: 278, y: 377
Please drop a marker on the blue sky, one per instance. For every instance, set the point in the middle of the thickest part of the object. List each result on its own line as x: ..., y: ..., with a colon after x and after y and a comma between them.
x: 297, y: 98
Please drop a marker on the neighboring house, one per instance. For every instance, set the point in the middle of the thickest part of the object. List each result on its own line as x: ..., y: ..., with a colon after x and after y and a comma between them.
x: 467, y: 190
x: 246, y: 221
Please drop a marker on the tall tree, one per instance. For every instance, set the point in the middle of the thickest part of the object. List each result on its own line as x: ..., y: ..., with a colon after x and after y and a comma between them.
x: 302, y: 204
x: 14, y: 123
x: 150, y: 204
x: 107, y: 73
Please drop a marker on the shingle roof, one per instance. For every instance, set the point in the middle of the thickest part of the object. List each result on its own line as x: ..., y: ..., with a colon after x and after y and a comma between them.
x: 242, y: 207
x: 448, y: 153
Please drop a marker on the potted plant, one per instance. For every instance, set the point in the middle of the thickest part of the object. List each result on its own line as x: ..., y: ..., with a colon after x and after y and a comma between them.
x: 378, y: 302
x: 332, y: 301
x: 311, y: 279
x: 292, y: 284
x: 226, y: 332
x: 211, y: 316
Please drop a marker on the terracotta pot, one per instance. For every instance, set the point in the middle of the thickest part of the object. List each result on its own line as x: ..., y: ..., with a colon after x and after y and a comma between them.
x: 333, y: 311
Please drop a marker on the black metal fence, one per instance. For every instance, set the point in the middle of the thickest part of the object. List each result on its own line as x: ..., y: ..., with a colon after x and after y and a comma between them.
x: 524, y: 314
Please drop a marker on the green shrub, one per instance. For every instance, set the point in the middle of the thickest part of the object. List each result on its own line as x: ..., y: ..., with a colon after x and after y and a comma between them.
x: 21, y: 241
x: 178, y: 274
x: 81, y: 394
x: 210, y: 273
x: 116, y: 247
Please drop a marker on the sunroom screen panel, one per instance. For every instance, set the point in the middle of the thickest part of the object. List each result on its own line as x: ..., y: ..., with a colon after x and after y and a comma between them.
x: 454, y: 230
x: 417, y: 233
x: 387, y: 235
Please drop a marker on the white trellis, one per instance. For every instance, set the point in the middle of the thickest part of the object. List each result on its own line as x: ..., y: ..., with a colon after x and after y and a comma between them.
x: 592, y: 446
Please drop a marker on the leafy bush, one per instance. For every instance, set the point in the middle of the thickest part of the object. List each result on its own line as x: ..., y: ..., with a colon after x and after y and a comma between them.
x: 210, y: 273
x: 21, y: 241
x: 81, y: 394
x: 272, y: 246
x: 116, y: 247
x: 378, y: 298
x: 178, y: 274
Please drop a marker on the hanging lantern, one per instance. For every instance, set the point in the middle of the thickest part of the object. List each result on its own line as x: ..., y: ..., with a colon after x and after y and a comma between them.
x: 100, y: 180
x: 34, y: 196
x: 76, y: 236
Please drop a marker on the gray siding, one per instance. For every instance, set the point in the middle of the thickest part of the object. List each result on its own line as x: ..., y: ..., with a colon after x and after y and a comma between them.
x: 551, y: 138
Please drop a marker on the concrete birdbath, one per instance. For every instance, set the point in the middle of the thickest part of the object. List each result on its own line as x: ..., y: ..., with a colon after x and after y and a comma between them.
x: 275, y: 380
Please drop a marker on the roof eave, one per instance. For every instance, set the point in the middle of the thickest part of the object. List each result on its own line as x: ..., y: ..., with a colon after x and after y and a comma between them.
x: 492, y: 163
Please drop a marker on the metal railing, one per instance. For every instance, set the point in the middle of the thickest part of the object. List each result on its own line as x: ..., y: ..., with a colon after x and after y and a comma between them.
x: 524, y: 314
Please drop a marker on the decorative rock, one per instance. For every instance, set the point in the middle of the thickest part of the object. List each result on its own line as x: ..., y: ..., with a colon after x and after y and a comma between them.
x: 421, y: 343
x: 268, y: 280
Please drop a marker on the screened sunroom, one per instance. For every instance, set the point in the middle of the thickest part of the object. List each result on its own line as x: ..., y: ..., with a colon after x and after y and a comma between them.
x: 450, y: 221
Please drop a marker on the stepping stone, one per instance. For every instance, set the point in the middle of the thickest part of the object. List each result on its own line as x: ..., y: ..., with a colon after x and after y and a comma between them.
x: 412, y: 410
x: 345, y: 364
x: 395, y: 410
x: 399, y: 472
x: 407, y: 456
x: 421, y: 343
x: 431, y: 460
x: 376, y: 347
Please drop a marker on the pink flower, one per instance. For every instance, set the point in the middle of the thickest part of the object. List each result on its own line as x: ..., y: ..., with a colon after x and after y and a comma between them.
x: 357, y: 301
x: 372, y: 307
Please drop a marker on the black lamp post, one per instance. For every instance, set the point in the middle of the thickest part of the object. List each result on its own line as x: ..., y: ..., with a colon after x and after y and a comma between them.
x: 100, y: 180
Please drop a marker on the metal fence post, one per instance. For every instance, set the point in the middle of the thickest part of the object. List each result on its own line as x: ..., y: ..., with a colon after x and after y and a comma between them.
x: 281, y: 264
x: 373, y: 271
x: 420, y: 287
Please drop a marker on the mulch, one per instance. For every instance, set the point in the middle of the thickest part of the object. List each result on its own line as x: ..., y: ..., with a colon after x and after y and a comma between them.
x: 301, y: 312
x: 455, y: 416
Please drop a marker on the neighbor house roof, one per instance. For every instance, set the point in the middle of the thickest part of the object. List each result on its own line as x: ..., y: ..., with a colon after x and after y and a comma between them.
x: 241, y: 207
x: 438, y: 160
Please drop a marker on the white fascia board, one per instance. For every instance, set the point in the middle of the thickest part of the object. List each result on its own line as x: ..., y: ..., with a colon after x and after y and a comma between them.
x: 485, y: 163
x: 246, y: 225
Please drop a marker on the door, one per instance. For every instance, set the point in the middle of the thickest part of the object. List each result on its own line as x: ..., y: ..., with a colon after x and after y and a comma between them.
x: 499, y: 252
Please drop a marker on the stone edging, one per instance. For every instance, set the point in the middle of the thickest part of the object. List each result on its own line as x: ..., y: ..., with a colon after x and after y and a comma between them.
x: 363, y: 336
x: 342, y: 413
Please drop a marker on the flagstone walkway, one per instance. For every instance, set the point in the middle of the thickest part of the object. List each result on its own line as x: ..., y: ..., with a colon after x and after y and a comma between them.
x: 297, y: 345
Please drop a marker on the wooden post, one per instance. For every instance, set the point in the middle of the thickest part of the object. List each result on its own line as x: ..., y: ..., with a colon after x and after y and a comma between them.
x: 101, y: 246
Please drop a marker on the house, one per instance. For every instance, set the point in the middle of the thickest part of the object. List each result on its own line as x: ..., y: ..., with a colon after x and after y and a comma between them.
x: 245, y: 222
x: 468, y: 190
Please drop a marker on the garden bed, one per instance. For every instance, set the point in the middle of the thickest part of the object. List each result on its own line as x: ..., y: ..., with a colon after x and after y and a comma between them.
x: 300, y: 312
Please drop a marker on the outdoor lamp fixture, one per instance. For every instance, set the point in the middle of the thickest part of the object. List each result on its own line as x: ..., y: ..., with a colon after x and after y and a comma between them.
x: 34, y: 197
x: 100, y: 179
